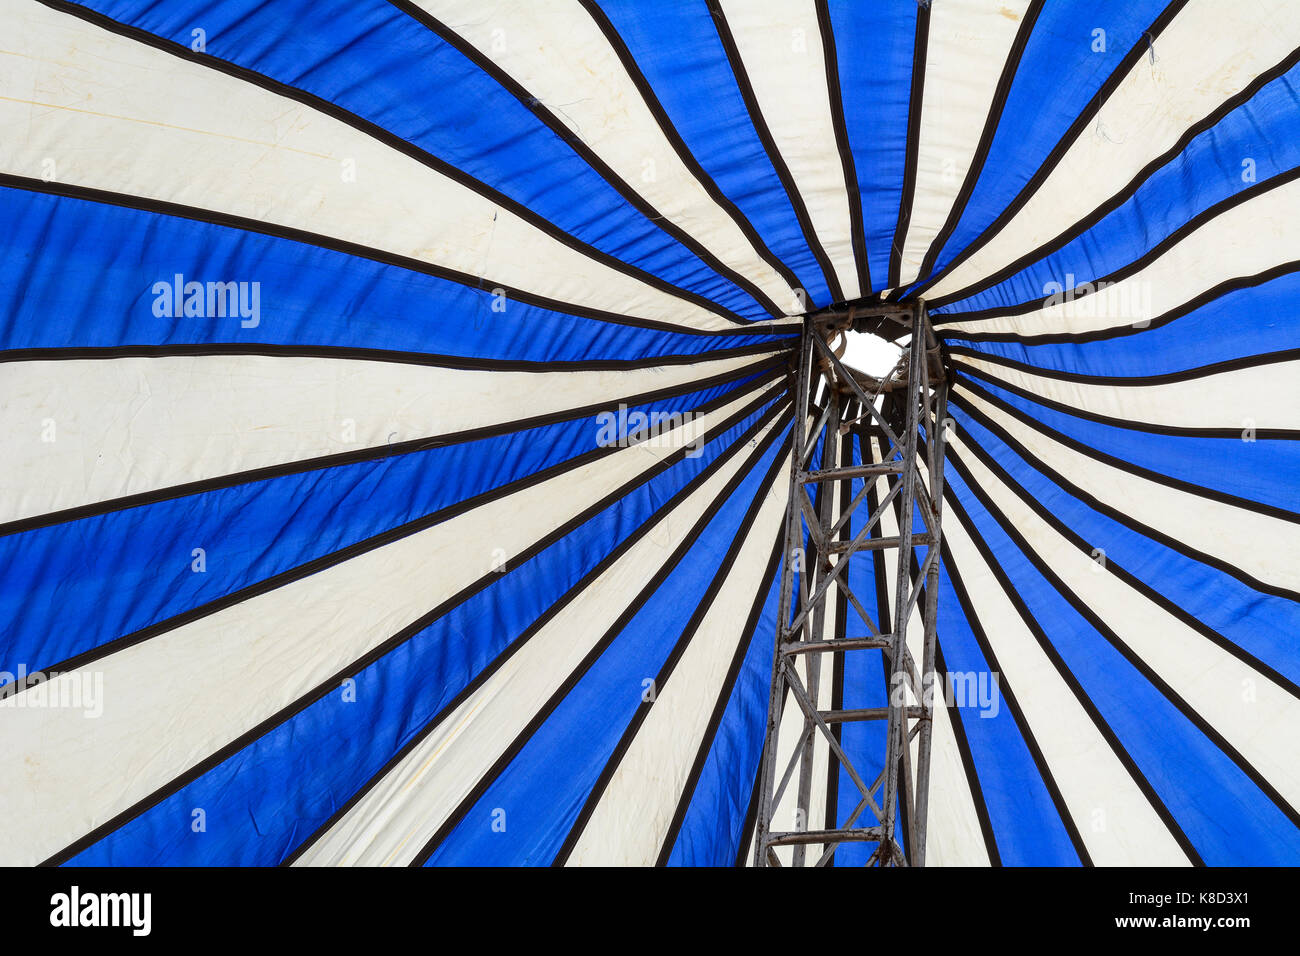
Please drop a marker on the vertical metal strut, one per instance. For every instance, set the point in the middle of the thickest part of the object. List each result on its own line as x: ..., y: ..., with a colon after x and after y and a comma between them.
x: 854, y: 511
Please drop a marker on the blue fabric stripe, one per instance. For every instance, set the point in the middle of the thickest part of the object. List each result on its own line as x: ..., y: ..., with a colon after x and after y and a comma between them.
x: 545, y: 786
x: 1262, y: 470
x: 874, y: 44
x: 1264, y: 132
x: 1224, y: 814
x: 263, y: 801
x: 1260, y: 624
x: 140, y: 558
x: 1026, y: 824
x: 81, y: 274
x: 865, y: 685
x: 1255, y: 320
x: 370, y: 58
x: 676, y: 46
x: 712, y: 831
x: 91, y: 283
x: 1059, y: 73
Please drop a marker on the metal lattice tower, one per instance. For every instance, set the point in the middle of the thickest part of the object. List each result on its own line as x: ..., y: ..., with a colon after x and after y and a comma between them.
x: 833, y: 526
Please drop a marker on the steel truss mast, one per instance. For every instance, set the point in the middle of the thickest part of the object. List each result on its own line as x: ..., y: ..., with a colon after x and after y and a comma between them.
x: 836, y: 520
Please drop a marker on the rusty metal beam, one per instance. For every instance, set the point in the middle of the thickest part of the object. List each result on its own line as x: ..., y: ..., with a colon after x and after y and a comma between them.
x: 897, y: 417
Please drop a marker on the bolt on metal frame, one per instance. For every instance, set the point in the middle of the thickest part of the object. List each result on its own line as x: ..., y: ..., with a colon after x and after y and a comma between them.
x: 891, y: 417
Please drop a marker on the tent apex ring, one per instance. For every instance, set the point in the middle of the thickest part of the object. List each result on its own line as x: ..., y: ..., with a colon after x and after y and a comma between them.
x: 889, y: 320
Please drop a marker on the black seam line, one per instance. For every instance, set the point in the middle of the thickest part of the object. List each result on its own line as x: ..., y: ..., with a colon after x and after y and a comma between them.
x: 587, y: 154
x: 684, y: 641
x: 275, y: 231
x: 353, y: 353
x: 683, y: 151
x: 1142, y: 528
x: 356, y: 666
x: 830, y: 55
x: 1081, y: 122
x: 1280, y: 434
x: 972, y: 779
x: 1093, y: 619
x: 387, y: 537
x: 916, y: 98
x: 749, y: 634
x: 1086, y: 702
x: 1004, y: 686
x: 779, y: 166
x: 1156, y: 477
x: 991, y: 123
x: 379, y: 134
x: 719, y: 713
x: 1133, y: 581
x: 375, y: 453
x: 624, y: 546
x: 1122, y: 331
x: 521, y: 739
x: 1120, y: 198
x: 955, y: 722
x: 748, y: 828
x: 1192, y: 225
x: 1134, y: 381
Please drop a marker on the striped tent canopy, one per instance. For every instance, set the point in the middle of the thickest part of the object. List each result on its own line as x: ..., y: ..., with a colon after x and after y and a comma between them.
x: 397, y: 409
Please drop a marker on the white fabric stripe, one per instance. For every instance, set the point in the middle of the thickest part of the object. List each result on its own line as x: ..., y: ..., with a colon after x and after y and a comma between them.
x: 969, y: 41
x: 867, y: 765
x: 102, y: 429
x: 1247, y: 398
x: 1246, y: 239
x: 164, y: 128
x: 747, y: 860
x: 821, y: 751
x: 780, y: 45
x: 1262, y: 546
x: 825, y: 695
x: 1209, y: 53
x: 172, y: 701
x: 784, y: 817
x: 558, y: 53
x: 784, y: 812
x: 631, y: 821
x: 1118, y: 824
x: 953, y: 833
x: 1254, y: 714
x: 393, y: 821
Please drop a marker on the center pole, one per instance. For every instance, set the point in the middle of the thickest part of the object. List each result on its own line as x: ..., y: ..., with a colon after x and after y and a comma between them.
x: 839, y: 507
